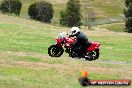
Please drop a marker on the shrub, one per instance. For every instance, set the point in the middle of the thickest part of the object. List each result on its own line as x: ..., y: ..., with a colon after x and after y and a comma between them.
x: 11, y: 6
x: 41, y: 11
x: 128, y: 25
x: 128, y: 15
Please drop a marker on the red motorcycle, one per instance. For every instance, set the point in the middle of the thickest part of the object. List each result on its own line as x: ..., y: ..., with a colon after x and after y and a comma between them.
x: 56, y: 50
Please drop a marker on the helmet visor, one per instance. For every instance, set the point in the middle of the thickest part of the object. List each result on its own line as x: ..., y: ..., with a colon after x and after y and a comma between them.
x: 73, y: 32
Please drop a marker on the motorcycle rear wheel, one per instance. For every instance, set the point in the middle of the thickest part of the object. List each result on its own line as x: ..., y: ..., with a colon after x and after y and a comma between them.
x: 55, y: 51
x: 95, y: 53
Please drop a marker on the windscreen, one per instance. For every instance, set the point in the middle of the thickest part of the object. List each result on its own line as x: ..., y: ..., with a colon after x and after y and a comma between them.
x: 62, y: 35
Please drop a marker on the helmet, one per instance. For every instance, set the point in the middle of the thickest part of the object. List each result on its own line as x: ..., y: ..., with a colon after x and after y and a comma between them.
x: 75, y: 30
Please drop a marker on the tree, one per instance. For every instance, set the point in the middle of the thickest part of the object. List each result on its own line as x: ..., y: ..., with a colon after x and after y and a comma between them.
x: 71, y: 16
x: 128, y: 15
x: 11, y: 6
x: 127, y: 2
x: 41, y: 11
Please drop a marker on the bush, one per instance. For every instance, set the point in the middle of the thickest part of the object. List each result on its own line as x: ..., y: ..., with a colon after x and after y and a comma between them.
x: 41, y: 11
x: 128, y: 15
x: 128, y: 11
x: 128, y: 25
x: 11, y: 6
x: 72, y: 15
x: 127, y: 2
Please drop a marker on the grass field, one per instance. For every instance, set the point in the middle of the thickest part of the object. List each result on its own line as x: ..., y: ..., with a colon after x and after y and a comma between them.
x: 118, y: 27
x: 24, y: 62
x: 101, y: 8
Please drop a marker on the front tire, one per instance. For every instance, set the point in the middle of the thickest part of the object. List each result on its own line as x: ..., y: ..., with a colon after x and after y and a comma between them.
x: 55, y: 51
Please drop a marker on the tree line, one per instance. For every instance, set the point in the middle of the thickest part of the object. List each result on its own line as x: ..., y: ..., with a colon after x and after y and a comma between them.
x: 43, y: 11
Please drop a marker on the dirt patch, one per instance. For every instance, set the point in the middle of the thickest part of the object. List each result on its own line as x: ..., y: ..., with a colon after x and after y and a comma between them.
x: 36, y: 55
x: 43, y: 56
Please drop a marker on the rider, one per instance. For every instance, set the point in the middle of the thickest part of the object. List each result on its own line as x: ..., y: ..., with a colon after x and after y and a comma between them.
x: 82, y: 41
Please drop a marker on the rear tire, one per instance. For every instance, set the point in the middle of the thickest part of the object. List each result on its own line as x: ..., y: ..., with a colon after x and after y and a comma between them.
x: 91, y: 57
x: 97, y: 53
x: 55, y: 51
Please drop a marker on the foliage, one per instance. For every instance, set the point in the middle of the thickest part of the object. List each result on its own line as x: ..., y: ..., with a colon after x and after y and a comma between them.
x: 11, y: 6
x: 71, y: 16
x: 41, y: 11
x: 128, y: 15
x: 128, y: 25
x: 127, y: 2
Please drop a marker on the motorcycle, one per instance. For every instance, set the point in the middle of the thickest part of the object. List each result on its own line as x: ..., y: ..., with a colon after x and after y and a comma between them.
x: 64, y: 41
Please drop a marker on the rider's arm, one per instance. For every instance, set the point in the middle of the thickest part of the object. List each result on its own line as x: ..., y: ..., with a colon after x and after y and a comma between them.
x: 71, y: 35
x: 75, y: 43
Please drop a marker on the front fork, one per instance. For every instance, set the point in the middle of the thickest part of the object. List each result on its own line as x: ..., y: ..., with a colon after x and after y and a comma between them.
x: 69, y: 51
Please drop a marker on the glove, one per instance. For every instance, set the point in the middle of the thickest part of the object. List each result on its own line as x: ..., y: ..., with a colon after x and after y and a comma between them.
x: 69, y: 36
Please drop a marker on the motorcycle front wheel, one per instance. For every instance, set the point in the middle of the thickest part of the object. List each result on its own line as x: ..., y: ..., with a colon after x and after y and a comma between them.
x: 55, y: 51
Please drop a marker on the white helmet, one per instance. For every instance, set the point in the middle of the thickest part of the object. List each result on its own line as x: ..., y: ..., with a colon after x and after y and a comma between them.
x: 75, y: 30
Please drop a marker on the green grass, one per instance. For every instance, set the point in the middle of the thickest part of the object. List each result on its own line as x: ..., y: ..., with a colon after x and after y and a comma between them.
x: 35, y: 58
x: 30, y: 74
x: 24, y: 62
x: 37, y: 38
x: 16, y: 39
x: 25, y: 58
x: 109, y: 8
x: 115, y: 47
x: 24, y: 77
x: 116, y: 27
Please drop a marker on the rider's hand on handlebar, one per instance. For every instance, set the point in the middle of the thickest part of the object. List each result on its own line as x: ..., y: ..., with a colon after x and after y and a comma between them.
x: 70, y: 36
